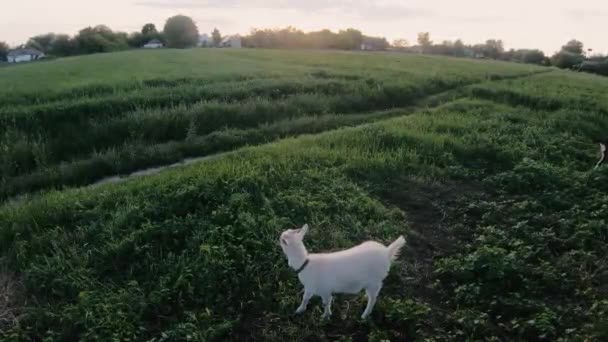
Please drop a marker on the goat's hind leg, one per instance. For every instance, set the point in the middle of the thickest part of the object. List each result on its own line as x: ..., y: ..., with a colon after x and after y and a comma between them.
x: 327, y: 304
x: 372, y: 295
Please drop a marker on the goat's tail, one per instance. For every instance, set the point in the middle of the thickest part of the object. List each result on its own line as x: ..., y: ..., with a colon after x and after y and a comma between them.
x: 395, y: 247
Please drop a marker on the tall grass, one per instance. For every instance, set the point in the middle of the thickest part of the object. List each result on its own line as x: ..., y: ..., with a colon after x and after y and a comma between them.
x: 139, y: 154
x: 549, y: 91
x: 73, y: 126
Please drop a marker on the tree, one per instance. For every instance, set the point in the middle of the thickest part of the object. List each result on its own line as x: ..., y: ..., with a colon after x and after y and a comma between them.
x: 349, y: 39
x: 181, y: 32
x: 3, y: 51
x: 512, y: 55
x: 400, y: 43
x: 573, y: 46
x: 459, y: 48
x: 290, y: 37
x: 324, y: 39
x: 424, y: 40
x: 216, y: 36
x: 529, y: 56
x: 100, y: 39
x: 494, y: 48
x: 63, y: 45
x: 53, y: 44
x: 43, y: 42
x: 136, y: 39
x: 444, y: 48
x: 149, y: 29
x: 478, y: 50
x: 148, y: 33
x: 570, y: 55
x: 566, y: 60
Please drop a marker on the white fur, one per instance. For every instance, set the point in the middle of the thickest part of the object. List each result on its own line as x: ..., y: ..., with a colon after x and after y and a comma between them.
x: 602, y: 155
x: 349, y: 271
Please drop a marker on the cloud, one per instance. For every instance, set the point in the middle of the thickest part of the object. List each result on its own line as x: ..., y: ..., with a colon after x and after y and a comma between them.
x: 480, y: 19
x: 582, y: 14
x: 355, y: 8
x: 186, y: 4
x: 203, y: 22
x: 388, y: 12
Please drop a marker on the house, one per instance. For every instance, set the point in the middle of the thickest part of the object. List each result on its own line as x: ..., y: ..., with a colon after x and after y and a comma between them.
x: 23, y: 55
x: 415, y: 49
x: 154, y: 44
x: 468, y: 52
x: 204, y: 40
x: 473, y: 53
x: 231, y: 42
x: 374, y: 44
x: 366, y: 46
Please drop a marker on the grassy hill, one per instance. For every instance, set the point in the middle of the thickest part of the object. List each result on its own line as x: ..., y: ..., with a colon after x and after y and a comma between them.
x: 97, y: 116
x: 485, y: 167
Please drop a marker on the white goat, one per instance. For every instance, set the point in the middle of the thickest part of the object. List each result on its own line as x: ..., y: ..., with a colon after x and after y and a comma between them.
x: 349, y: 271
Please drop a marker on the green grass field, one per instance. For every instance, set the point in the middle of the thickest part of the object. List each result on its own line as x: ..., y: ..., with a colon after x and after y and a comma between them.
x: 88, y: 119
x: 485, y: 167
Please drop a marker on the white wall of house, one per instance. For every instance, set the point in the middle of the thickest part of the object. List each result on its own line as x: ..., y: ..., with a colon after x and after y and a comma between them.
x: 235, y: 43
x: 232, y: 42
x: 153, y: 46
x: 20, y: 58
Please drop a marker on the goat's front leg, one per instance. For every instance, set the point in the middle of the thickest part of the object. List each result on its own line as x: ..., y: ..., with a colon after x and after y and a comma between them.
x: 599, y: 162
x: 602, y: 155
x: 305, y: 299
x: 327, y: 304
x: 372, y: 295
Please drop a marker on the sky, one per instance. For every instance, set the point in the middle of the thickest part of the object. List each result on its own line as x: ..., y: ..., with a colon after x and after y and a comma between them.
x: 543, y: 24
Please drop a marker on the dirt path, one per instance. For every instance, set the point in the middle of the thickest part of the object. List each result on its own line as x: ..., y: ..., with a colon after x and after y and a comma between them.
x: 152, y: 170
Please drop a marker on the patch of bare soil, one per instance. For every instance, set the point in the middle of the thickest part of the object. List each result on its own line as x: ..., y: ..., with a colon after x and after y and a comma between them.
x: 430, y: 210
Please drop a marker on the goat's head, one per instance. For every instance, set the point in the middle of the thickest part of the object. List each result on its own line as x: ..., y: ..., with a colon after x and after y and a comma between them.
x: 291, y: 239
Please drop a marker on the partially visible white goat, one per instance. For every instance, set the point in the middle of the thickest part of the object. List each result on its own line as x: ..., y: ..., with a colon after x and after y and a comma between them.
x: 349, y: 271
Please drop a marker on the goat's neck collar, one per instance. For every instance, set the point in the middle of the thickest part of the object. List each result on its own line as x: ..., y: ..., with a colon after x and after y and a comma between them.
x: 301, y: 268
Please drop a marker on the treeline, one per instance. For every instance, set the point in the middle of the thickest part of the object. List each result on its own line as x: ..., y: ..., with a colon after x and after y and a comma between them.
x: 571, y: 55
x: 181, y: 32
x: 492, y: 48
x: 349, y: 39
x: 92, y: 40
x: 89, y: 40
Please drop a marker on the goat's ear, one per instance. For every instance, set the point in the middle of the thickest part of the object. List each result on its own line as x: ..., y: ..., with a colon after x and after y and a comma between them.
x: 303, y: 230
